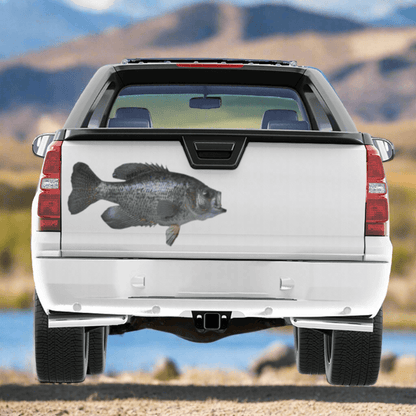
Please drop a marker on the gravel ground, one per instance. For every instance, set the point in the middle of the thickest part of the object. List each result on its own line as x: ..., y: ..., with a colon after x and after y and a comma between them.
x: 211, y: 392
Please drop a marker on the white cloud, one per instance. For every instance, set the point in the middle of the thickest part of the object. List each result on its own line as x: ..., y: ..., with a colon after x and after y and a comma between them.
x: 99, y: 5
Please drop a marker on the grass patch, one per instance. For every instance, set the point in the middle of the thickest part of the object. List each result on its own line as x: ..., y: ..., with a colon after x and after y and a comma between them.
x: 12, y: 198
x: 400, y: 133
x: 15, y: 241
x: 401, y: 179
x: 403, y: 256
x: 20, y: 179
x: 404, y: 320
x: 18, y: 158
x: 402, y: 227
x: 16, y: 300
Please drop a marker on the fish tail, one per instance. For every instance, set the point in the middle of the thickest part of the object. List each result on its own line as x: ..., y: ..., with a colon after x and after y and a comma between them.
x: 84, y: 188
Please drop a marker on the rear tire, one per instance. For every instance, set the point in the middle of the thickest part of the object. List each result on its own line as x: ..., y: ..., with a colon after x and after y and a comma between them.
x: 97, y: 350
x: 61, y: 353
x: 309, y: 350
x: 353, y: 358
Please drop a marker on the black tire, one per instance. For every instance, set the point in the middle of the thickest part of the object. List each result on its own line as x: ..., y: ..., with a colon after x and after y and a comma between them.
x: 97, y: 350
x: 309, y: 350
x: 61, y: 354
x: 353, y: 358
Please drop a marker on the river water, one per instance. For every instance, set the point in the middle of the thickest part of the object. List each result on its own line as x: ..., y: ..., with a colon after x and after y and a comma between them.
x: 141, y: 349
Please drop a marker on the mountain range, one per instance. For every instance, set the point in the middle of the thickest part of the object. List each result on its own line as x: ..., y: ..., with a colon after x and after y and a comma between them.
x: 372, y: 69
x: 29, y: 25
x: 382, y: 90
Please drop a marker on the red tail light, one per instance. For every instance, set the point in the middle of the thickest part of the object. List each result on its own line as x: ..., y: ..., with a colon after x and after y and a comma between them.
x: 49, y: 203
x: 377, y: 207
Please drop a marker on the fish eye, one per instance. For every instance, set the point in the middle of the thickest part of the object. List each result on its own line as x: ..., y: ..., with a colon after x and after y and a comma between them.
x: 206, y: 193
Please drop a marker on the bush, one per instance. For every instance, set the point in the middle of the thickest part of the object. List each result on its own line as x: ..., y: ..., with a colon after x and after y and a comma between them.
x: 16, y: 198
x: 403, y: 255
x: 402, y: 228
x: 402, y: 212
x: 15, y: 240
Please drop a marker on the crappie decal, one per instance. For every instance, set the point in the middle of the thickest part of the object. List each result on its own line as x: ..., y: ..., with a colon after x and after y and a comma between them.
x: 149, y: 195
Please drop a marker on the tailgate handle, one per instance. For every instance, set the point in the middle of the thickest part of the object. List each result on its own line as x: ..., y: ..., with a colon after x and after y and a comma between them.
x: 218, y: 151
x: 214, y: 150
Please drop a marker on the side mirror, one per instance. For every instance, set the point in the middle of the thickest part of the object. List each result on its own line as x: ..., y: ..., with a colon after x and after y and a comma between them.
x: 41, y: 143
x: 385, y: 148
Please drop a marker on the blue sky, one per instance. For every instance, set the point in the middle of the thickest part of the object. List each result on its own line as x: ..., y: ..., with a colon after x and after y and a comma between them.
x: 362, y: 10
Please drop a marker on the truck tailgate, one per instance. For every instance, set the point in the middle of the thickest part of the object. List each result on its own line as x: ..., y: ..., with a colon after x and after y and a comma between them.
x: 302, y: 201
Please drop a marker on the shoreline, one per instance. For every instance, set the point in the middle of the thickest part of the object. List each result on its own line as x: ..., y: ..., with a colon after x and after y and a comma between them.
x: 401, y: 374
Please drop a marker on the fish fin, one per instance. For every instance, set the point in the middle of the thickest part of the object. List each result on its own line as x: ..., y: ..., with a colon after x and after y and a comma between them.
x: 167, y: 209
x: 115, y: 217
x: 84, y: 188
x: 172, y: 234
x: 131, y: 170
x: 157, y: 168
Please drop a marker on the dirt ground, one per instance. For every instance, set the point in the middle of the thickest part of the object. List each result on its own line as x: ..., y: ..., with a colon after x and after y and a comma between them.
x: 211, y: 392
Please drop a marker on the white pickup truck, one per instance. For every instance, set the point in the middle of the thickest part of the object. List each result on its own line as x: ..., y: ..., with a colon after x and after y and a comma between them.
x: 209, y: 198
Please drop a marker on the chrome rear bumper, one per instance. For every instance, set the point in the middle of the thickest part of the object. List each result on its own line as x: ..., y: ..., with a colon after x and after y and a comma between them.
x: 336, y: 324
x: 67, y: 320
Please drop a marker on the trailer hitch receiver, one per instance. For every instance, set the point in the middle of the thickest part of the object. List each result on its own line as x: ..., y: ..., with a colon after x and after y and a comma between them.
x: 211, y: 321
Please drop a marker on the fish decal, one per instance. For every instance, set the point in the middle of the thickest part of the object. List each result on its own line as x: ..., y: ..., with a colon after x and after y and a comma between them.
x: 149, y: 195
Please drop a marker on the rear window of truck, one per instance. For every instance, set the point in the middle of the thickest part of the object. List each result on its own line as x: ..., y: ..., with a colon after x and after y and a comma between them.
x: 208, y: 106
